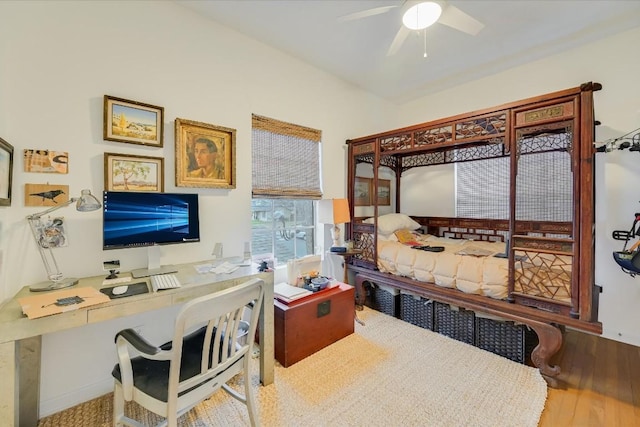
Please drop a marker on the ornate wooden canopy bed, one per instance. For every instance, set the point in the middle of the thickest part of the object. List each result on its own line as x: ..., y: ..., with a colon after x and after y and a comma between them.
x: 536, y: 206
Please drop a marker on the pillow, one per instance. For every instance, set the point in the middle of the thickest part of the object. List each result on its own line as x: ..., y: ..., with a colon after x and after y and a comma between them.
x: 387, y: 238
x: 390, y: 223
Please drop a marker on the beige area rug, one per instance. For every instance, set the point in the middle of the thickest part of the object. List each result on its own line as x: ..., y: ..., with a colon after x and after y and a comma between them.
x: 389, y: 373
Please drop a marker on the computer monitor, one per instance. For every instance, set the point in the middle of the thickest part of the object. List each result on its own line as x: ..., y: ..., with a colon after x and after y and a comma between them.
x: 145, y: 219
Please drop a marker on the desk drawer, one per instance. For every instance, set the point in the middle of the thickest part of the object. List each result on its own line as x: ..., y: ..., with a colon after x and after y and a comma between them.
x: 128, y: 307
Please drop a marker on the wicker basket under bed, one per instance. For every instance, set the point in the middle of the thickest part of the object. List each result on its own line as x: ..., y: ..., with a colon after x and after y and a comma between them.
x: 384, y: 299
x: 505, y: 338
x: 416, y: 310
x: 454, y: 322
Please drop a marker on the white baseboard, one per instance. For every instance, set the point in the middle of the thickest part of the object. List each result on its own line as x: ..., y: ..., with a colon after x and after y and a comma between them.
x: 64, y: 401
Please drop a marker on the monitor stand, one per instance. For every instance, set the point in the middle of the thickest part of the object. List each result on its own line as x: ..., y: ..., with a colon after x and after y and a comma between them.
x: 154, y: 268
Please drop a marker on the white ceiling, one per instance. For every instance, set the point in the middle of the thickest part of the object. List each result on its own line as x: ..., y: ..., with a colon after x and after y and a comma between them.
x: 515, y: 32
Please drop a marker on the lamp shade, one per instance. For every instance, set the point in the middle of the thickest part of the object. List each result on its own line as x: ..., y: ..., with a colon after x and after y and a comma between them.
x: 333, y: 211
x: 87, y: 202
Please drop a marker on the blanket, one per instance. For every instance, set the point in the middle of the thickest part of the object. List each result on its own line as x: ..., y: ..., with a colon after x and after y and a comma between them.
x: 469, y: 266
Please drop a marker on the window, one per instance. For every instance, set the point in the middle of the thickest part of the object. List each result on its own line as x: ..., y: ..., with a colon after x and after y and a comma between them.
x: 285, y: 183
x: 282, y: 227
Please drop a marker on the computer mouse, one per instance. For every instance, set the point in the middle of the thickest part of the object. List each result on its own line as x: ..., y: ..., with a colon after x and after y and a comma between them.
x: 119, y: 290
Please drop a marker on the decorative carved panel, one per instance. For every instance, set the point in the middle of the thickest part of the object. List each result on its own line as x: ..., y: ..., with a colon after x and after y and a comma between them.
x: 483, y: 126
x: 365, y: 242
x: 552, y: 112
x: 395, y: 143
x: 543, y: 275
x: 438, y: 135
x: 494, y: 148
x: 364, y: 148
x: 545, y: 138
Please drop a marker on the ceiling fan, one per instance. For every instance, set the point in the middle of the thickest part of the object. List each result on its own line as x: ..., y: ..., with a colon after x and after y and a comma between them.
x: 418, y: 15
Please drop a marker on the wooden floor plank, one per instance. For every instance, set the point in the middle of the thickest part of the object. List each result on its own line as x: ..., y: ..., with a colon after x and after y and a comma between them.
x: 556, y: 398
x: 599, y: 384
x: 624, y: 412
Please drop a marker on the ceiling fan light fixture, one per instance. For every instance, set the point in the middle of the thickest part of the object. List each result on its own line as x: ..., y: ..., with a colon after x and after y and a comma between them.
x: 421, y: 15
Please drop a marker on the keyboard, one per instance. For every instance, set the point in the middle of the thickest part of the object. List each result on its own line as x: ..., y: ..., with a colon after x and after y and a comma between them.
x: 164, y: 281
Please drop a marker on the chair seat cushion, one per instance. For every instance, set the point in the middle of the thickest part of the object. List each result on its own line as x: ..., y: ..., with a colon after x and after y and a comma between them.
x: 152, y: 376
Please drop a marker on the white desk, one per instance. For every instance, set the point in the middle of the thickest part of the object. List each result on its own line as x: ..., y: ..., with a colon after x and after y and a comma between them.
x: 21, y: 338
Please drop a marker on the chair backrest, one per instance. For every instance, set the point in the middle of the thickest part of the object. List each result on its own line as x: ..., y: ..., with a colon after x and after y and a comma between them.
x: 221, y: 314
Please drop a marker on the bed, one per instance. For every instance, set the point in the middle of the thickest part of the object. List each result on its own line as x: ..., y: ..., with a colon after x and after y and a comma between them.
x: 532, y: 261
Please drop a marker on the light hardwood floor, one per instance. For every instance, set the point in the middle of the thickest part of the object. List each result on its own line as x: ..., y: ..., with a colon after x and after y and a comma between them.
x: 599, y: 384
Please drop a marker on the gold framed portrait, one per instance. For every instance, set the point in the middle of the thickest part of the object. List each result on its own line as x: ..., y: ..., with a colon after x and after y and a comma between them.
x: 205, y: 155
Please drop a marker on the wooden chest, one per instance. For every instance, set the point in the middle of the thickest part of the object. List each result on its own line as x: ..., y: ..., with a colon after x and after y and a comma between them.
x: 312, y: 323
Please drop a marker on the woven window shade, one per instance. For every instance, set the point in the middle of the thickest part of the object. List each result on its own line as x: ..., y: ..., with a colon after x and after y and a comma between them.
x: 285, y: 160
x: 544, y: 188
x: 482, y: 188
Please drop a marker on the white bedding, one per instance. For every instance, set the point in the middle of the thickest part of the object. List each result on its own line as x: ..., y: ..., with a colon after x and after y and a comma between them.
x: 481, y: 275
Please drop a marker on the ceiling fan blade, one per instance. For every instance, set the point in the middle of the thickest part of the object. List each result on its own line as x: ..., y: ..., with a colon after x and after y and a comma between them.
x: 366, y: 13
x: 455, y: 18
x: 398, y: 40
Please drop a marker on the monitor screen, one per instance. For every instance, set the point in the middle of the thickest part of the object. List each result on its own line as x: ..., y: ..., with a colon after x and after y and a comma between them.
x: 137, y: 219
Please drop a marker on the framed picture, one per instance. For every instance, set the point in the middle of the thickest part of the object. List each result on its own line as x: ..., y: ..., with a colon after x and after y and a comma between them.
x: 6, y: 172
x: 205, y: 155
x: 46, y: 161
x: 384, y: 192
x: 362, y: 191
x: 133, y: 122
x: 126, y: 172
x: 45, y: 194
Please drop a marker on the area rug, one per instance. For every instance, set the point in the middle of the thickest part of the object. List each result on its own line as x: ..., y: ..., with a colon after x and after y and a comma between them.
x: 388, y: 373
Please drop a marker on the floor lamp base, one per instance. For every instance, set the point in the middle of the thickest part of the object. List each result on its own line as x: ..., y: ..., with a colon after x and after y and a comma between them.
x: 50, y: 285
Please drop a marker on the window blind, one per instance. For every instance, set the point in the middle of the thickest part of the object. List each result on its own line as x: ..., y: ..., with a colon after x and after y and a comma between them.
x: 544, y: 188
x: 285, y: 160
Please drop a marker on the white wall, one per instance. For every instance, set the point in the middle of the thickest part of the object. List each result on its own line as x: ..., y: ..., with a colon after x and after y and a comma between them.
x: 614, y: 62
x: 58, y: 59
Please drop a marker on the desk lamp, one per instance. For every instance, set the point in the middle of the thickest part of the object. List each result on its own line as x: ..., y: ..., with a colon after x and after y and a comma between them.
x: 334, y: 211
x: 85, y: 203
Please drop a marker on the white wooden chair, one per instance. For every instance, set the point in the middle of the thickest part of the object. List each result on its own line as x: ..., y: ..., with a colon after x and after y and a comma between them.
x: 171, y: 379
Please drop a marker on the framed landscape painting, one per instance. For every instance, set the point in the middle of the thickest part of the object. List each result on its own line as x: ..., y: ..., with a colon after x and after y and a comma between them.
x: 127, y: 172
x: 362, y: 191
x: 6, y: 172
x: 133, y: 122
x: 384, y: 192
